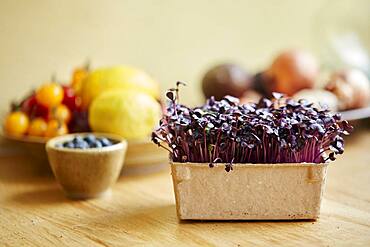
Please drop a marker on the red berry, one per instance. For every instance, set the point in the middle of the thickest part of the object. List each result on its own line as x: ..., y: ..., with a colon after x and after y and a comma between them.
x: 34, y: 109
x: 28, y: 104
x: 69, y: 99
x: 40, y: 111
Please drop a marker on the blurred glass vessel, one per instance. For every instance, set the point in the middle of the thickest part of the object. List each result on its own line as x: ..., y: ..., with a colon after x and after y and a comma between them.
x: 342, y: 33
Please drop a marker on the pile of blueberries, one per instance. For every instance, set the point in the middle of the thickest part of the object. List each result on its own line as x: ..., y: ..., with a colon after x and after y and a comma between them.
x: 89, y: 141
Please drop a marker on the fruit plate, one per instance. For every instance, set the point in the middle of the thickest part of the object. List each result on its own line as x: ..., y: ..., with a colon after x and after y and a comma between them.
x: 32, y: 146
x: 356, y: 114
x: 142, y: 157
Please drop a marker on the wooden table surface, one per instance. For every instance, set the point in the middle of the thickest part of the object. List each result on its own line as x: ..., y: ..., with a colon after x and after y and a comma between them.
x: 141, y: 211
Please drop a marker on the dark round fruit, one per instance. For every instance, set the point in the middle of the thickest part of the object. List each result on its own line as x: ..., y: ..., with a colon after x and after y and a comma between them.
x: 105, y: 142
x: 68, y: 145
x: 90, y: 139
x: 77, y: 139
x: 79, y: 121
x: 262, y: 85
x: 96, y: 144
x: 225, y: 79
x: 82, y: 145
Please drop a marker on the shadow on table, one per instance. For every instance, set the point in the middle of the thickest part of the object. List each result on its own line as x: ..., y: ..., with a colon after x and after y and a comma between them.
x: 15, y: 169
x: 244, y: 221
x: 149, y: 216
x: 50, y: 195
x: 160, y: 223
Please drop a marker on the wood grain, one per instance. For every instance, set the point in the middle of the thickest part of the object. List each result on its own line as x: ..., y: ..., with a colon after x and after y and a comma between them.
x: 141, y: 212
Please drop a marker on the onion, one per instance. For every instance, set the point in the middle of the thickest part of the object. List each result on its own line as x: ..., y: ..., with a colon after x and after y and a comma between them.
x: 351, y: 87
x: 320, y: 97
x: 293, y: 70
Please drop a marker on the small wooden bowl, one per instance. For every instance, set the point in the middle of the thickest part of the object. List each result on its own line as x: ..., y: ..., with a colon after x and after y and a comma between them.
x: 86, y: 173
x: 142, y: 157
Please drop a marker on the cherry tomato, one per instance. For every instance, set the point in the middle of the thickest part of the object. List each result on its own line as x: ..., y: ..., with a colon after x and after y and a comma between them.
x: 78, y: 77
x: 16, y: 123
x: 50, y: 95
x: 56, y: 128
x: 70, y: 99
x: 61, y: 113
x: 37, y: 127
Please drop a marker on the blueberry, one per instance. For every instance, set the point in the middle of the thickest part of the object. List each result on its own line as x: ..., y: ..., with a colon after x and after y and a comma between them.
x: 77, y: 139
x: 82, y: 145
x: 89, y: 141
x: 90, y: 138
x: 105, y: 142
x: 96, y: 144
x: 68, y: 145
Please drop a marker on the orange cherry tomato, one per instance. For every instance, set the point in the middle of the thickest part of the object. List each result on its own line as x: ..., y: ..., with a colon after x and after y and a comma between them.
x: 37, y: 127
x: 62, y: 113
x: 16, y: 123
x: 50, y: 95
x: 56, y: 128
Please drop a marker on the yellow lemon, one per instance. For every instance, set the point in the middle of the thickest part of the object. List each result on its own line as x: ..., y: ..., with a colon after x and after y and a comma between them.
x: 128, y: 113
x: 118, y: 77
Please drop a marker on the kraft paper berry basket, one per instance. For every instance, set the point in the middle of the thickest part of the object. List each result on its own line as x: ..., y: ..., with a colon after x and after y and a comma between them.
x: 264, y: 161
x: 248, y: 192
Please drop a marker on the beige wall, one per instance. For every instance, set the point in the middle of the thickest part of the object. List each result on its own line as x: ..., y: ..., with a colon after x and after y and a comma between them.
x: 172, y: 40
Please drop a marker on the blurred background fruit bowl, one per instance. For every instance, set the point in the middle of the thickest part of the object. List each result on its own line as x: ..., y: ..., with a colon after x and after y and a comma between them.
x: 120, y: 100
x: 295, y: 73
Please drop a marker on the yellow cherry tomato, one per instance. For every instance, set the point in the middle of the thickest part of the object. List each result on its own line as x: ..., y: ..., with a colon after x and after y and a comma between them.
x: 56, y: 128
x: 62, y: 113
x: 16, y: 123
x: 37, y: 127
x: 50, y: 95
x: 77, y: 78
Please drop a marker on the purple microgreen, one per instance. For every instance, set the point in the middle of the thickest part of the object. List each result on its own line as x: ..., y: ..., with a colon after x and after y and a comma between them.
x: 281, y: 130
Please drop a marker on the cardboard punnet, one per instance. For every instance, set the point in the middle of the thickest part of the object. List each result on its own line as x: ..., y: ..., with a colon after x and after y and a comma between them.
x: 285, y: 191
